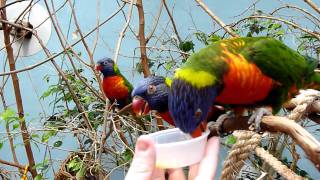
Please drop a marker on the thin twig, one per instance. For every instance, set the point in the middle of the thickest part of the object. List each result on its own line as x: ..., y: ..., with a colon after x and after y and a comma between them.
x: 172, y: 21
x: 216, y: 18
x: 155, y: 24
x: 294, y: 25
x: 313, y: 5
x: 121, y: 35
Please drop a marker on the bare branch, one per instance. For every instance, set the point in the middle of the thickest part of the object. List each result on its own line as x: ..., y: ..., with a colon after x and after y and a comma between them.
x: 294, y: 25
x: 216, y: 18
x: 142, y: 40
x: 121, y: 35
x: 313, y: 5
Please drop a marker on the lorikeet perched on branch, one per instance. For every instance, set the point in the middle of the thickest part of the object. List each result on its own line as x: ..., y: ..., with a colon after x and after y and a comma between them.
x: 239, y: 72
x: 115, y: 86
x: 152, y: 94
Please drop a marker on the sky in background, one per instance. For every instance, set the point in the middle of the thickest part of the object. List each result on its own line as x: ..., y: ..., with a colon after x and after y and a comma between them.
x: 32, y: 83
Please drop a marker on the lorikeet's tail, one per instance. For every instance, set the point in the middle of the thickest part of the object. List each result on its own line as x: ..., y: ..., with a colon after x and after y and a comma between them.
x: 313, y: 80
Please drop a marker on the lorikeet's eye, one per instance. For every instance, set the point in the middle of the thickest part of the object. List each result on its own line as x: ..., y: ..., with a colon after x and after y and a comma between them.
x: 105, y: 63
x: 151, y: 89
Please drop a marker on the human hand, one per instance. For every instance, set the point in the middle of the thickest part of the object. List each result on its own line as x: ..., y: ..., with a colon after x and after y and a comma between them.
x: 143, y: 166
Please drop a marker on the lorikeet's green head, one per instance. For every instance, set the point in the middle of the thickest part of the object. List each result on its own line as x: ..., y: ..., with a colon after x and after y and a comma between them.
x: 107, y: 67
x: 191, y: 98
x: 150, y: 93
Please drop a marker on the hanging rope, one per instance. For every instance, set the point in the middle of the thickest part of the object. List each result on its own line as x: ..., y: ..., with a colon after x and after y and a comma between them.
x: 277, y: 165
x: 247, y: 141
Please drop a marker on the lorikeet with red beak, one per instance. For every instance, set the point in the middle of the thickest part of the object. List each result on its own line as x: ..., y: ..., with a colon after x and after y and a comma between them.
x: 115, y: 86
x: 152, y: 94
x: 240, y: 72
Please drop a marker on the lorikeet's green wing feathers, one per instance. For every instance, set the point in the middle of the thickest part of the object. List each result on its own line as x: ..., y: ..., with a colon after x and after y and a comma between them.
x: 127, y: 83
x: 277, y: 61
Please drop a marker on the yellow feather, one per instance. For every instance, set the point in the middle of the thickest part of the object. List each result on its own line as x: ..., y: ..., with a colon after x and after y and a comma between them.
x: 198, y: 79
x: 168, y: 81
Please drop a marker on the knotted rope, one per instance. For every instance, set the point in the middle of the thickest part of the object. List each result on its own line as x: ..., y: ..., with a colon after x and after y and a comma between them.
x: 247, y: 141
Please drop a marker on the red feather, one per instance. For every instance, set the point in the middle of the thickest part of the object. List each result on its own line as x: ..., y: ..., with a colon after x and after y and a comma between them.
x: 114, y: 87
x: 167, y: 117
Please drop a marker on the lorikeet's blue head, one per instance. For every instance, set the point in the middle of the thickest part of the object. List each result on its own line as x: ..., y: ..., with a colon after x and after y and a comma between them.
x: 150, y: 93
x: 188, y: 105
x: 106, y: 66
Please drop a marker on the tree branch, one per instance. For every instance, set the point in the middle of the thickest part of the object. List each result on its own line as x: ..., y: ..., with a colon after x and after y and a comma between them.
x: 142, y: 40
x: 313, y: 5
x: 216, y: 18
x: 17, y: 92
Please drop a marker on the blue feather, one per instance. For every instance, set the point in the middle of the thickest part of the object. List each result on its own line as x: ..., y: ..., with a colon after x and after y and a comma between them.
x: 185, y: 100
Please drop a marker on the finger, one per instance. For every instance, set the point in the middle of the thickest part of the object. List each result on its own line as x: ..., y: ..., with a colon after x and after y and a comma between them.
x: 193, y: 171
x: 176, y: 174
x: 208, y: 165
x: 143, y: 163
x: 158, y: 174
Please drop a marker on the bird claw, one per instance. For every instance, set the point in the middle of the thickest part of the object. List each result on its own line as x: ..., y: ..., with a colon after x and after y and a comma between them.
x: 256, y: 118
x: 219, y: 123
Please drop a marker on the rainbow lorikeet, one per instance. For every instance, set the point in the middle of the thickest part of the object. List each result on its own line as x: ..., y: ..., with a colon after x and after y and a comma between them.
x: 152, y: 94
x: 240, y: 72
x: 115, y: 86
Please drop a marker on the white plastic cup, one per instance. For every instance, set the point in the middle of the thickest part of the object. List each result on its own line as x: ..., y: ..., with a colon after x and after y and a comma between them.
x: 175, y: 149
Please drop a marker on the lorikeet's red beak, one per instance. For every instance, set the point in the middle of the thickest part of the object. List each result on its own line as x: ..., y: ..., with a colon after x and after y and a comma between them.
x: 139, y: 106
x: 200, y: 129
x: 98, y: 67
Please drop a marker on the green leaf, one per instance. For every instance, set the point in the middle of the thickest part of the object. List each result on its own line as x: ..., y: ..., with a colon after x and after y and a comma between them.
x: 214, y: 38
x: 38, y: 177
x: 46, y: 136
x: 15, y: 126
x: 75, y: 164
x: 8, y: 114
x: 1, y: 145
x: 57, y: 143
x: 275, y: 26
x: 186, y: 46
x: 81, y: 173
x: 231, y: 140
x: 169, y: 65
x: 35, y: 136
x: 280, y: 32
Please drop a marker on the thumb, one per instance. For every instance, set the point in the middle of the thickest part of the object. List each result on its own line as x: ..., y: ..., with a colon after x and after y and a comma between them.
x: 143, y: 163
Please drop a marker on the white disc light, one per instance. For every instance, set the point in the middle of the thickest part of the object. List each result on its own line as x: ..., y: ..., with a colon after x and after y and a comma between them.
x: 38, y: 17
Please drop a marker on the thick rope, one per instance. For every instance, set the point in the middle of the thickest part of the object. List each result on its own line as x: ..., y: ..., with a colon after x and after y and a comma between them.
x: 247, y: 141
x: 276, y: 164
x: 303, y: 101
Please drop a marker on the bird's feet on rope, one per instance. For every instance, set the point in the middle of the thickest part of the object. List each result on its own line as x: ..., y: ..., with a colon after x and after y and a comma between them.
x: 256, y: 118
x: 219, y: 124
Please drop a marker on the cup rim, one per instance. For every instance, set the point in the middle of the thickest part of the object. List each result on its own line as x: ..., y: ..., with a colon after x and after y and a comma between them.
x: 189, y: 141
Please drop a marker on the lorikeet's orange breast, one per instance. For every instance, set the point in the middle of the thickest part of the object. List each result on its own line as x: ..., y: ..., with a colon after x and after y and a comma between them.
x: 243, y: 83
x: 115, y: 88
